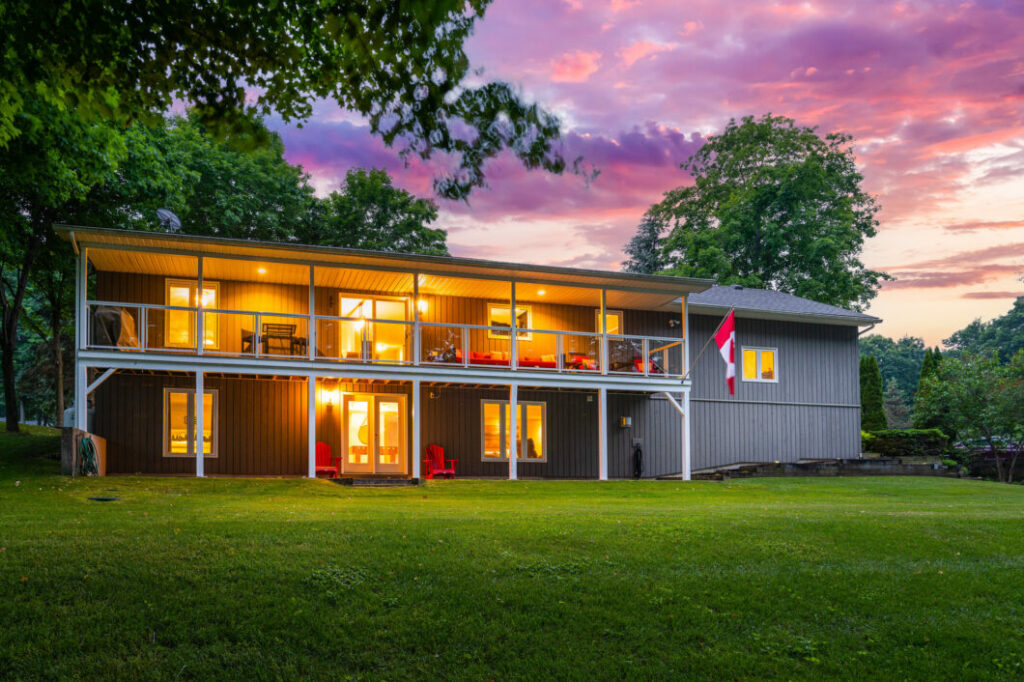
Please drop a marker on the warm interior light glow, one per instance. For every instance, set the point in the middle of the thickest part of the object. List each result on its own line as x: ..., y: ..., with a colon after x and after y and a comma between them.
x: 541, y: 292
x: 262, y: 271
x: 359, y: 324
x: 421, y: 305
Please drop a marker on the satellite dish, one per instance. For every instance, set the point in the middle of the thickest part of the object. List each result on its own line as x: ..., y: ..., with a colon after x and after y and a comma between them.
x: 168, y: 220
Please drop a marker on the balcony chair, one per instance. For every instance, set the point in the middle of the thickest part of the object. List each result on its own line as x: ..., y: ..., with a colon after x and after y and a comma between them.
x: 324, y: 462
x: 435, y: 463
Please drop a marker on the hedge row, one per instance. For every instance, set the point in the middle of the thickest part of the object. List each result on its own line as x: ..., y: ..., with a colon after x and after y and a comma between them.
x: 905, y: 442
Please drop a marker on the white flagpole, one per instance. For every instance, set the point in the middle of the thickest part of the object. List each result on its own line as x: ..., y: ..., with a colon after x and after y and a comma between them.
x: 705, y: 346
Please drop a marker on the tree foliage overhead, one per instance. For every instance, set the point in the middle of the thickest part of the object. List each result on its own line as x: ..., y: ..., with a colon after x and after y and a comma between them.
x: 774, y: 206
x: 872, y: 410
x: 369, y: 212
x: 401, y: 65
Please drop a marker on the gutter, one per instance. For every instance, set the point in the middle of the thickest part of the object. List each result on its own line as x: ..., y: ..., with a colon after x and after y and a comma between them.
x: 867, y: 329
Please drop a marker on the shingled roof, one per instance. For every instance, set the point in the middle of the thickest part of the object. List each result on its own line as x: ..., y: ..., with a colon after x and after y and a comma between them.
x: 766, y: 304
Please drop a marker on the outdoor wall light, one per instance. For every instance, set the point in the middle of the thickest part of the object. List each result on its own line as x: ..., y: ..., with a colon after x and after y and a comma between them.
x: 421, y: 305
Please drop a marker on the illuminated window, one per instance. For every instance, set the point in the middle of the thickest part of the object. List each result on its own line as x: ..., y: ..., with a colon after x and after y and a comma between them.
x: 362, y: 338
x: 496, y: 415
x: 180, y: 423
x: 612, y: 320
x: 500, y: 321
x: 759, y: 364
x: 180, y: 326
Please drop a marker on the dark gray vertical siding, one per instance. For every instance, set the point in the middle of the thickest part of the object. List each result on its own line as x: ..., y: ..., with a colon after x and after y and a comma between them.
x: 452, y: 419
x: 811, y: 412
x: 658, y: 426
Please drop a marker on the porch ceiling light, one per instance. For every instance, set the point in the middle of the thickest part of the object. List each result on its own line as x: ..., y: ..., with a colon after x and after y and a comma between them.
x: 262, y: 271
x: 541, y: 292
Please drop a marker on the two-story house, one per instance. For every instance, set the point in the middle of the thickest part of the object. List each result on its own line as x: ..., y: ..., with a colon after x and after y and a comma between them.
x: 375, y: 355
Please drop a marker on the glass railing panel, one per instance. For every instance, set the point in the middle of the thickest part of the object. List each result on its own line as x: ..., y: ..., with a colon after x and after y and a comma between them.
x: 665, y: 357
x: 625, y: 355
x: 390, y: 341
x: 115, y: 326
x: 443, y: 344
x: 489, y: 347
x: 277, y: 334
x: 539, y: 350
x: 581, y: 352
x: 229, y: 333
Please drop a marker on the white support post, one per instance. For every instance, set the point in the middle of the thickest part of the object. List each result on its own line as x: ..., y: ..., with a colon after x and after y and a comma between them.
x: 416, y: 428
x: 311, y: 424
x: 312, y: 320
x: 686, y: 435
x: 81, y: 407
x: 416, y: 326
x: 604, y: 332
x: 602, y: 433
x: 513, y: 447
x: 81, y: 296
x: 199, y: 311
x: 200, y: 424
x: 513, y: 335
x: 686, y: 340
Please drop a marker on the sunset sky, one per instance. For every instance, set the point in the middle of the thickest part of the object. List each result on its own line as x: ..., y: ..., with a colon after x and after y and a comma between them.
x: 933, y: 93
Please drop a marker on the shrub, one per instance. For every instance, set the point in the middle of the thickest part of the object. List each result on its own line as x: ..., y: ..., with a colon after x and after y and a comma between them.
x: 909, y: 442
x: 866, y: 441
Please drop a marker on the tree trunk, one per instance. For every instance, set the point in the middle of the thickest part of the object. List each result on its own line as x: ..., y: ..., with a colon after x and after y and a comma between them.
x: 11, y: 318
x: 10, y: 392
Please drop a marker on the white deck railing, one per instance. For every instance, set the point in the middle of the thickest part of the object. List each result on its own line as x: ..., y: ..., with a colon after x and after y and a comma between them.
x: 146, y: 328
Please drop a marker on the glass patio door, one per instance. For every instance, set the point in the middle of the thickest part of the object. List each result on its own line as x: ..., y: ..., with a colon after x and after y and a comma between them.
x: 373, y: 434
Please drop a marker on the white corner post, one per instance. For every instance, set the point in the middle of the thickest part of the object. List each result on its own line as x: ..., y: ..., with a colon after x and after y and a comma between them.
x: 602, y: 434
x: 311, y: 424
x: 513, y: 416
x: 200, y: 338
x: 686, y: 390
x: 200, y: 424
x: 312, y: 318
x: 604, y: 331
x: 686, y: 434
x: 416, y: 419
x: 81, y: 321
x: 416, y: 331
x: 513, y: 335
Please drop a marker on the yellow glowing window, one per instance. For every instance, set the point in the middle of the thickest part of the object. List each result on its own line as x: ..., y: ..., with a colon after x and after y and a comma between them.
x: 499, y: 321
x: 759, y: 364
x: 180, y: 423
x: 496, y: 418
x: 749, y: 364
x: 612, y: 321
x: 180, y: 327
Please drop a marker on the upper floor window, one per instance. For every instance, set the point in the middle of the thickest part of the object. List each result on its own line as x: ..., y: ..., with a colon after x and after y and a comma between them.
x: 759, y: 364
x: 531, y: 419
x: 500, y: 321
x: 180, y: 325
x: 612, y: 321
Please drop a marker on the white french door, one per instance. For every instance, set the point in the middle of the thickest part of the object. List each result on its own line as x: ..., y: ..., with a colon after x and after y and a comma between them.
x: 373, y: 434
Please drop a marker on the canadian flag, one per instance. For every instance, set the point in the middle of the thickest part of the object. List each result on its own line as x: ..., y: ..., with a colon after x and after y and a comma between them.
x: 725, y: 337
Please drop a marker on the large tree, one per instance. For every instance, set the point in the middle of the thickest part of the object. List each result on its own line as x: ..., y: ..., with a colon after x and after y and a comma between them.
x: 872, y: 410
x: 56, y: 157
x: 369, y: 212
x: 774, y: 205
x: 980, y: 398
x: 1004, y: 335
x: 644, y: 249
x: 400, y: 64
x: 898, y: 360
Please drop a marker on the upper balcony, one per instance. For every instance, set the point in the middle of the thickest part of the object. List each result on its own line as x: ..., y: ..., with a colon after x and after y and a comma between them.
x: 333, y: 307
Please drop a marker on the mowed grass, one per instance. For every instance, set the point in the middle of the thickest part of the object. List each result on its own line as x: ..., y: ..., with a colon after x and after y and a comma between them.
x: 869, y: 578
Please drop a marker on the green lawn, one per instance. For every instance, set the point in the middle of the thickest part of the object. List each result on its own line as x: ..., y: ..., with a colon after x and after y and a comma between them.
x: 894, y: 578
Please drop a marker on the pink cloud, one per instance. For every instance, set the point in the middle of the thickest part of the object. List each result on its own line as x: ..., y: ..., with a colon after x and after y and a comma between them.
x: 637, y: 51
x: 574, y: 67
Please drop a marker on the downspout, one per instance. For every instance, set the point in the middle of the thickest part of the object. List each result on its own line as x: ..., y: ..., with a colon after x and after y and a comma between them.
x: 869, y: 328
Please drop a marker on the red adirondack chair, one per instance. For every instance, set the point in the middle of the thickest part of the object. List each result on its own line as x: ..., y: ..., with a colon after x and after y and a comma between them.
x: 435, y: 463
x: 324, y: 463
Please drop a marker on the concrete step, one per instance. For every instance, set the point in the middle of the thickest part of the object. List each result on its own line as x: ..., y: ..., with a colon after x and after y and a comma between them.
x: 375, y: 482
